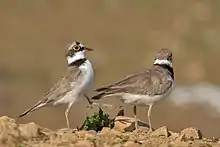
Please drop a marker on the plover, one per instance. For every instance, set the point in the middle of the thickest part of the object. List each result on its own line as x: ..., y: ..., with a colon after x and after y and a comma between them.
x: 72, y: 87
x: 145, y: 87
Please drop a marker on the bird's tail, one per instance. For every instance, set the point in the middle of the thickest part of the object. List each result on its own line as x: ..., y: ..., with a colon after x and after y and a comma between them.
x: 35, y: 107
x: 102, y: 89
x: 98, y: 96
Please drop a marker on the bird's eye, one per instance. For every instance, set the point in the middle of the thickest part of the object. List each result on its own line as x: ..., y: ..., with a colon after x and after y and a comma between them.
x: 76, y: 47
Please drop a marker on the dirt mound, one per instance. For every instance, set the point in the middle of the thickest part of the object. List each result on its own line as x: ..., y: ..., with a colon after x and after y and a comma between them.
x: 31, y: 134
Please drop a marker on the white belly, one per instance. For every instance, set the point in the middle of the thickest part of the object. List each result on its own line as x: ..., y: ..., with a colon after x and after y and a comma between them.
x: 77, y: 93
x: 87, y: 79
x: 143, y: 99
x: 139, y: 99
x: 71, y: 96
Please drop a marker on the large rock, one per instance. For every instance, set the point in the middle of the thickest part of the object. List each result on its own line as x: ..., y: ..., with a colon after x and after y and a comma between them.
x: 162, y: 131
x: 190, y: 134
x: 29, y: 130
x: 9, y: 132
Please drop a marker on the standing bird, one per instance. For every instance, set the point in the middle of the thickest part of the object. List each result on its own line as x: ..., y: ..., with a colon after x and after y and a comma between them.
x: 73, y: 86
x: 145, y: 87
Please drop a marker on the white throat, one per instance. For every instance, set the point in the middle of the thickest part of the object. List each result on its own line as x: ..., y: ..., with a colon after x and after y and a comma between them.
x: 77, y: 56
x: 166, y: 62
x: 86, y: 69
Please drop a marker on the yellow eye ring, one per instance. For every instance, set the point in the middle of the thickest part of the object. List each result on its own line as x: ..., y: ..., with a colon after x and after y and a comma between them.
x: 76, y: 47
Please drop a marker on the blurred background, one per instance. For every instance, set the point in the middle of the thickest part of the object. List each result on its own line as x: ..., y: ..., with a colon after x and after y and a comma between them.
x: 126, y: 35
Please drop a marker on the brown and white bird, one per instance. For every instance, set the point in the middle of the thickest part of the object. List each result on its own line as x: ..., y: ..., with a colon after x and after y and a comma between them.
x: 145, y: 87
x: 72, y: 87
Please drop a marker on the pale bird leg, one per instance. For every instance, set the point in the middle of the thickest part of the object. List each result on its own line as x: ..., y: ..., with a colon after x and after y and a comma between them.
x: 135, y: 117
x: 149, y: 114
x: 67, y: 113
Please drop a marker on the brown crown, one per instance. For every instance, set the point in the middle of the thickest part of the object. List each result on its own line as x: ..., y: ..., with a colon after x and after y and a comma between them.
x: 164, y: 54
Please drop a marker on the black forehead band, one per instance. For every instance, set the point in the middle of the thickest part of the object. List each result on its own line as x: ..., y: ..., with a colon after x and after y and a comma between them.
x: 77, y: 43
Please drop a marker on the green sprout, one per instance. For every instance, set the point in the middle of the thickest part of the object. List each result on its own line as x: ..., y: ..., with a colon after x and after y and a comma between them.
x: 97, y: 121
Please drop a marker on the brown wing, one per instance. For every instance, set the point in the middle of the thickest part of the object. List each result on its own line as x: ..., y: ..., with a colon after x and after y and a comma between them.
x: 62, y: 87
x: 123, y: 82
x: 151, y: 82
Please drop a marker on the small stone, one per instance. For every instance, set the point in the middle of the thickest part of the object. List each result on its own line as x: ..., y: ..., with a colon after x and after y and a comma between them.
x: 89, y: 136
x: 105, y: 130
x: 83, y: 143
x: 67, y: 137
x: 214, y: 139
x: 106, y: 145
x: 123, y: 123
x: 190, y: 134
x: 92, y: 132
x: 29, y: 130
x: 66, y: 130
x: 126, y: 124
x: 178, y: 144
x: 141, y: 130
x: 130, y: 144
x: 7, y: 119
x: 162, y: 131
x: 117, y: 145
x: 174, y: 135
x: 81, y: 134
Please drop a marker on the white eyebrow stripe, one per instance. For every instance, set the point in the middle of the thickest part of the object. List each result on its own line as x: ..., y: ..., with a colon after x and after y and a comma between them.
x: 81, y: 45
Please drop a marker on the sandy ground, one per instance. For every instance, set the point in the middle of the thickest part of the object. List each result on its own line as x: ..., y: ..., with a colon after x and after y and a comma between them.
x: 31, y: 134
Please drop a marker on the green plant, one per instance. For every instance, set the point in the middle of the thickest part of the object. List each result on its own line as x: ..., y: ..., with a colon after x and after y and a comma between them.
x: 97, y: 121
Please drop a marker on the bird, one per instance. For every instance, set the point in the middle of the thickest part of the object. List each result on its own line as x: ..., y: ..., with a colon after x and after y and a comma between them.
x: 73, y: 86
x: 143, y: 88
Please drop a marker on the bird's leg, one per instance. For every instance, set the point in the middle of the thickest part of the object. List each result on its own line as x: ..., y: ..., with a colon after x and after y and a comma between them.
x: 121, y: 109
x: 149, y: 119
x: 91, y: 103
x: 67, y: 114
x: 87, y: 98
x: 135, y: 117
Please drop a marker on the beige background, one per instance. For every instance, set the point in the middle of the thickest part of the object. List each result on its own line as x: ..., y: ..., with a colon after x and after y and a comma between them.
x: 126, y: 35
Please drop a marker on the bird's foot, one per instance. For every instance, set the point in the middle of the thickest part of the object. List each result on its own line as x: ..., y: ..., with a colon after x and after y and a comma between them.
x: 89, y: 106
x: 136, y: 127
x: 150, y: 130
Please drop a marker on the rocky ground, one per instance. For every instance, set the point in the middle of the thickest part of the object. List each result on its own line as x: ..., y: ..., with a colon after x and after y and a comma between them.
x: 31, y: 134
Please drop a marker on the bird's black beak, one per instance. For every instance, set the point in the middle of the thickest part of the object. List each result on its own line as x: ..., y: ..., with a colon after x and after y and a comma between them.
x: 89, y: 49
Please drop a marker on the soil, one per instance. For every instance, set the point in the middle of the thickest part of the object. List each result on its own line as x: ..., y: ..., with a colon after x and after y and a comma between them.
x: 31, y: 134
